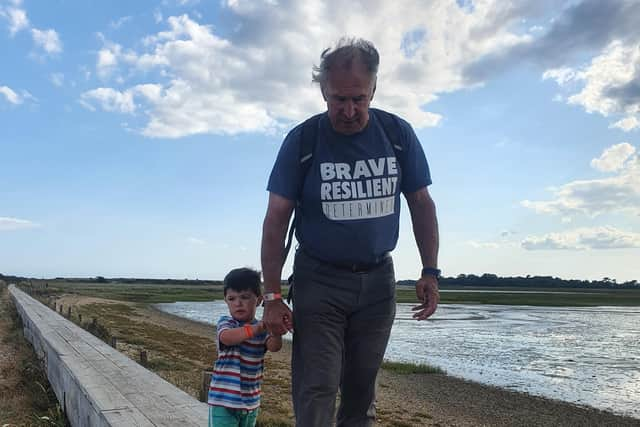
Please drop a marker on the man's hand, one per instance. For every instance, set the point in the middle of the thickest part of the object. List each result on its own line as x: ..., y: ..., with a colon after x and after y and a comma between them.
x: 277, y: 317
x: 427, y: 293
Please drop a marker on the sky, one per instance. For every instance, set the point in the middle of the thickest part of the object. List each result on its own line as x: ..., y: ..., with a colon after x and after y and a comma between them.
x: 136, y: 138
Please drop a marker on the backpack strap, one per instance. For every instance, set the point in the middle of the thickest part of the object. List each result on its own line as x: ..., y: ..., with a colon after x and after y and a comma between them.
x: 391, y: 128
x: 308, y: 142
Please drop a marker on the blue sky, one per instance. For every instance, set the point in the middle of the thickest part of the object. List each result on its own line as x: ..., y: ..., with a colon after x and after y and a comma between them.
x: 136, y: 138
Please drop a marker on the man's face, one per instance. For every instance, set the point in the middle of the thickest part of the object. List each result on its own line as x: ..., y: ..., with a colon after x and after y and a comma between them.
x: 242, y: 305
x: 348, y: 94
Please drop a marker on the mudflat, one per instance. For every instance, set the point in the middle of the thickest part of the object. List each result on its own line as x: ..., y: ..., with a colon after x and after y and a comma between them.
x: 180, y: 349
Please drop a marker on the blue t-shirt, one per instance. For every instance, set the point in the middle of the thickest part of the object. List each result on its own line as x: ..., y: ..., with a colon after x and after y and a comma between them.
x: 350, y: 203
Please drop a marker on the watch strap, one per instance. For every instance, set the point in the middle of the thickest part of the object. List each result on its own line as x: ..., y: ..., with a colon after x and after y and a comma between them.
x: 431, y: 271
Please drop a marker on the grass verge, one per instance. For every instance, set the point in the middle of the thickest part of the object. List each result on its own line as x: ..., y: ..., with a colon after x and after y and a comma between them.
x: 26, y: 397
x: 411, y: 368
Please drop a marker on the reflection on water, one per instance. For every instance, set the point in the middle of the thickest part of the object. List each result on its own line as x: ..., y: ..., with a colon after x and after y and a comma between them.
x: 589, y: 356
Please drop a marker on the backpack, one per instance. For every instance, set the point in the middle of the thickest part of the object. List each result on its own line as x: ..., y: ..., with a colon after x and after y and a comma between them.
x: 309, y: 136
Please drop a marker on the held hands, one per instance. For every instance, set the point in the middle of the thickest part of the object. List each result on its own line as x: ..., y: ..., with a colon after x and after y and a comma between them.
x: 277, y: 317
x: 427, y: 293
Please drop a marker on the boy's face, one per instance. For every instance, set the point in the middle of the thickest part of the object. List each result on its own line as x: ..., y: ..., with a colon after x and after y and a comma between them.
x: 242, y: 305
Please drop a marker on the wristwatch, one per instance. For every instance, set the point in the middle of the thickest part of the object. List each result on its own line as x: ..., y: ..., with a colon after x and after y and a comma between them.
x: 430, y: 271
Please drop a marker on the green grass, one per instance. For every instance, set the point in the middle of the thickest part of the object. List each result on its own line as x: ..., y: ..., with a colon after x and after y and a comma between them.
x: 158, y: 293
x: 410, y: 368
x: 138, y: 292
x: 31, y: 402
x: 273, y: 423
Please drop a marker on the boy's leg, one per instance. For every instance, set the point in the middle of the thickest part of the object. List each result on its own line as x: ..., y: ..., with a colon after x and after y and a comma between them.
x: 249, y: 418
x: 222, y: 417
x: 366, y: 340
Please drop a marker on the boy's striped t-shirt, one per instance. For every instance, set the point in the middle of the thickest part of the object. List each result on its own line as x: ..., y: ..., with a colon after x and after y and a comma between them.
x: 237, y: 373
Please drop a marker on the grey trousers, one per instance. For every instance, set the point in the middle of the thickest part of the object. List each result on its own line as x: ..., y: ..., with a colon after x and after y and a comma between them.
x: 342, y: 321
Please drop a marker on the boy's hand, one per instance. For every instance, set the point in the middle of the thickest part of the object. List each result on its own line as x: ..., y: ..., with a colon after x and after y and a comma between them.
x: 277, y: 317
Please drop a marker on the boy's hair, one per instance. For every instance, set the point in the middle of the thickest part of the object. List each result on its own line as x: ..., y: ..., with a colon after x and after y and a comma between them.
x: 243, y: 279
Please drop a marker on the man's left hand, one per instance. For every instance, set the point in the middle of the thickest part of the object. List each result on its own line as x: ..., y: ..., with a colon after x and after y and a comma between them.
x: 427, y: 293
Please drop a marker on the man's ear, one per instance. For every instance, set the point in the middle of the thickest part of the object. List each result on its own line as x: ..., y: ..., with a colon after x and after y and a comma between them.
x: 324, y: 95
x: 375, y: 84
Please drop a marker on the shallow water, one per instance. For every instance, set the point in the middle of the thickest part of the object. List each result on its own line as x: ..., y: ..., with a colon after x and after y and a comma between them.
x: 589, y: 356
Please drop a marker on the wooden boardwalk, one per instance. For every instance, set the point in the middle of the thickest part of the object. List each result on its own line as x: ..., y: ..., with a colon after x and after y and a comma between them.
x: 96, y: 384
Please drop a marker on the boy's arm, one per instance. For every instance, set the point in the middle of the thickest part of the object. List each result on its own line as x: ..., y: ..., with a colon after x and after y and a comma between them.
x: 274, y: 343
x: 235, y: 336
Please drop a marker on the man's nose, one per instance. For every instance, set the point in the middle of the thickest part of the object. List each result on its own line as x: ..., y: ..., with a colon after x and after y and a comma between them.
x: 349, y: 109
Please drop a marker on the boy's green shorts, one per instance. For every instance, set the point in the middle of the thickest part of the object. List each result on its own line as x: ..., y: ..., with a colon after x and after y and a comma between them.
x: 220, y: 416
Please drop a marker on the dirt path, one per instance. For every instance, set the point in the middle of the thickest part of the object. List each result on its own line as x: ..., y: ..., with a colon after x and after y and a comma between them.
x: 403, y: 400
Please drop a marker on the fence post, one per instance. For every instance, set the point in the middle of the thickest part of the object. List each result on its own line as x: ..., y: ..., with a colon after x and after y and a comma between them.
x: 206, y: 380
x: 80, y: 319
x: 114, y: 342
x: 143, y: 357
x: 69, y: 312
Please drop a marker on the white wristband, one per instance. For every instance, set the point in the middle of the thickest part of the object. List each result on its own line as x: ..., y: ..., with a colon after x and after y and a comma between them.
x: 272, y: 296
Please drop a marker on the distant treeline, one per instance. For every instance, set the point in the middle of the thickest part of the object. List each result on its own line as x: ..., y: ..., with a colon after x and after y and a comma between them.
x: 491, y: 280
x: 126, y: 280
x: 487, y: 280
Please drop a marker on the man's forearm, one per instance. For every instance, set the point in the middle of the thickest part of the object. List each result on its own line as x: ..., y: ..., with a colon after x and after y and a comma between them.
x: 425, y: 228
x: 273, y: 235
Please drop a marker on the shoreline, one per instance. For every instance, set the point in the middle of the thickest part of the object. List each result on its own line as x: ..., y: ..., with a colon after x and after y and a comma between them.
x: 403, y: 399
x: 443, y: 399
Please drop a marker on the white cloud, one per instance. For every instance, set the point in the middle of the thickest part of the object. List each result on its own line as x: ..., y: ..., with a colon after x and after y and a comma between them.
x: 483, y: 245
x: 18, y: 20
x: 627, y: 124
x: 257, y: 77
x: 57, y: 79
x: 562, y: 75
x: 606, y: 237
x: 507, y: 233
x: 613, y: 158
x: 502, y: 241
x: 157, y: 16
x: 618, y: 193
x: 109, y: 99
x: 608, y: 85
x: 120, y: 22
x: 195, y: 241
x: 10, y: 224
x: 48, y: 40
x: 10, y: 95
x: 107, y: 61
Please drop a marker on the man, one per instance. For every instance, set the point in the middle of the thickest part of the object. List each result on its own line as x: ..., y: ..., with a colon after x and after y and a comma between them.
x: 347, y: 220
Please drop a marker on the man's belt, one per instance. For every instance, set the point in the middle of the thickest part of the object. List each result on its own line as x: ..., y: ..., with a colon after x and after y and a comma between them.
x: 354, y: 267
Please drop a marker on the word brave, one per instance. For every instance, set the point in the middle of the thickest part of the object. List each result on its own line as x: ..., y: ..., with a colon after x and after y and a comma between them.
x: 349, y: 184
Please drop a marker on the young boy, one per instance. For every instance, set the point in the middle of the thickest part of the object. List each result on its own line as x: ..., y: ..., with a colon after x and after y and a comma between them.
x: 234, y: 392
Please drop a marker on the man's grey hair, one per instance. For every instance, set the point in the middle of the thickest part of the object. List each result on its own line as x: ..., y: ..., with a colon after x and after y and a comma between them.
x: 342, y: 55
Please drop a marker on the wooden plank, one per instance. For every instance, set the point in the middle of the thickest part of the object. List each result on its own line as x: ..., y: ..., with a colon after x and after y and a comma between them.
x: 98, y: 385
x: 127, y: 417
